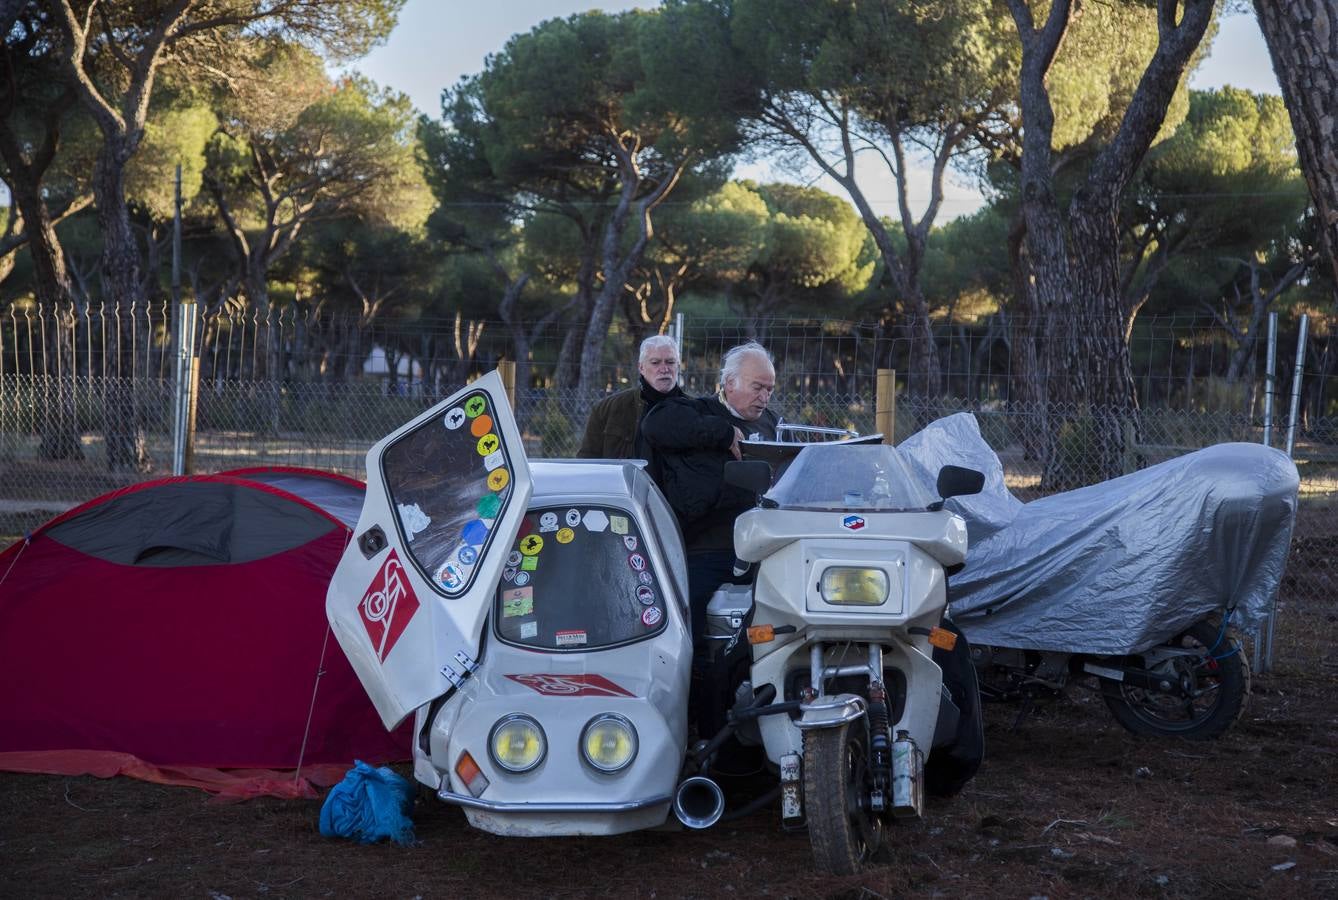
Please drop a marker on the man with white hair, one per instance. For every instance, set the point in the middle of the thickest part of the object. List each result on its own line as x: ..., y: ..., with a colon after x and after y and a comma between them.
x: 611, y: 431
x: 692, y: 440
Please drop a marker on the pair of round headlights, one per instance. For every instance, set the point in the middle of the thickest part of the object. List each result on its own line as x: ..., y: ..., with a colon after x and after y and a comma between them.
x: 518, y: 744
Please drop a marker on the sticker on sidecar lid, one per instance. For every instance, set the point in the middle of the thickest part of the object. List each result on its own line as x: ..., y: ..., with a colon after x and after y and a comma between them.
x: 637, y: 562
x: 630, y: 543
x: 651, y: 617
x: 548, y: 522
x: 645, y: 577
x: 570, y: 638
x: 573, y: 517
x: 413, y: 519
x: 454, y: 418
x: 531, y: 544
x: 513, y: 558
x: 522, y: 578
x: 565, y: 535
x: 645, y: 595
x: 387, y: 606
x: 529, y: 563
x: 854, y: 523
x: 571, y: 685
x: 595, y: 520
x: 518, y: 602
x: 618, y: 524
x: 529, y: 630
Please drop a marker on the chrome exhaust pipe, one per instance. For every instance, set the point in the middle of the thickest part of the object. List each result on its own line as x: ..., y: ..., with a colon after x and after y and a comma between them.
x: 699, y: 802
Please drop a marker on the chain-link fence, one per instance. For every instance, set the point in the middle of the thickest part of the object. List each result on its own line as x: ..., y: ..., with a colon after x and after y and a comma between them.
x: 86, y: 403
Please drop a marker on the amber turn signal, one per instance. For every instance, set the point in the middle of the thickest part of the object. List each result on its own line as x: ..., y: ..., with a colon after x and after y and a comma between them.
x: 761, y: 634
x: 942, y: 638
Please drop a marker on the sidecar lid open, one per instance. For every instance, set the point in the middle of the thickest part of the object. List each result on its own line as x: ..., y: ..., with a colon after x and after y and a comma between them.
x: 446, y: 494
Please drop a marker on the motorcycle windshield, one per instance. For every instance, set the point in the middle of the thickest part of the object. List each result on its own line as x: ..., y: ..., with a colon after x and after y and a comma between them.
x: 578, y: 578
x: 445, y: 495
x: 869, y: 477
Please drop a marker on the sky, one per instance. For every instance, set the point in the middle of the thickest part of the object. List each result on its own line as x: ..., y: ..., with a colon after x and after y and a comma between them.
x: 438, y: 41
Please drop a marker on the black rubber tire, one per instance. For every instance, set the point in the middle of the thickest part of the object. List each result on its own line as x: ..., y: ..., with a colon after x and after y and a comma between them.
x: 1225, y: 675
x: 844, y: 832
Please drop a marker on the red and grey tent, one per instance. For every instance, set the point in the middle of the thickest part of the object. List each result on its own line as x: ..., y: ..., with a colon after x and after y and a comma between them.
x: 176, y: 628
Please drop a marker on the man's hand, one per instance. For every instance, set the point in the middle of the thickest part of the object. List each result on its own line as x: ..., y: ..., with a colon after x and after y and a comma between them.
x: 734, y: 447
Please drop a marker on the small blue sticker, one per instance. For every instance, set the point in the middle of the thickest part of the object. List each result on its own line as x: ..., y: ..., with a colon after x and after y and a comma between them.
x: 854, y: 523
x: 475, y: 532
x: 468, y: 555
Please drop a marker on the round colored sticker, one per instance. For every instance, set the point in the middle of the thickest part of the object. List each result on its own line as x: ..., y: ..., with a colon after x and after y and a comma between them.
x: 488, y: 506
x: 651, y: 617
x: 636, y: 561
x: 645, y: 577
x: 573, y: 517
x: 475, y: 405
x: 531, y: 544
x: 522, y: 579
x: 480, y: 426
x: 645, y: 595
x: 487, y: 444
x: 454, y: 418
x: 498, y: 478
x: 565, y: 535
x: 468, y: 555
x: 513, y: 558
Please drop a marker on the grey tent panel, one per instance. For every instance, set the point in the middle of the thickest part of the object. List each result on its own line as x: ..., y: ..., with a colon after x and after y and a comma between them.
x: 205, y: 522
x: 341, y: 499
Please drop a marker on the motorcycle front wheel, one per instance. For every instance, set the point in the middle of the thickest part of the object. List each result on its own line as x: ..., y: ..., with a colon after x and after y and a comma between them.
x: 838, y: 781
x: 1217, y: 676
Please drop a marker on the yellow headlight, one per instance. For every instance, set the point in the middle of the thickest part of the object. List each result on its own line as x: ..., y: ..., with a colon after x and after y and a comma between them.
x: 849, y: 586
x: 517, y: 743
x: 609, y: 743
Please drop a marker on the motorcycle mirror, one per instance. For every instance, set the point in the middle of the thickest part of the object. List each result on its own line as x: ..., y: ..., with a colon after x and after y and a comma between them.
x: 752, y: 475
x: 958, y: 481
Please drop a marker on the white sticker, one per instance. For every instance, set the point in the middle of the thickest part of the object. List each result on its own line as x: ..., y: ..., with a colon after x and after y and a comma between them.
x: 454, y: 418
x: 595, y: 520
x: 522, y: 579
x: 493, y: 460
x: 529, y: 629
x: 629, y: 542
x: 513, y: 558
x: 651, y: 617
x: 413, y: 518
x: 570, y: 638
x: 618, y: 524
x: 573, y: 517
x: 548, y: 522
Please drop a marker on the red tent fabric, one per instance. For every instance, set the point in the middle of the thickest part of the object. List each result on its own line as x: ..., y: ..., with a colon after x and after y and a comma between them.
x: 180, y: 625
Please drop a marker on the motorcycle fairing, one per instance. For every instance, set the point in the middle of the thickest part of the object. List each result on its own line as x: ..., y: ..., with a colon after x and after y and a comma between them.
x: 446, y: 494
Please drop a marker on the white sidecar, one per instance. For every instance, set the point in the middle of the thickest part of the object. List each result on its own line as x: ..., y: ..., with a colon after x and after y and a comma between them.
x: 532, y: 618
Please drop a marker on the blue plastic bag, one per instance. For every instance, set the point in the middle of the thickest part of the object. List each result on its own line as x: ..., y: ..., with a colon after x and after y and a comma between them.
x: 368, y: 805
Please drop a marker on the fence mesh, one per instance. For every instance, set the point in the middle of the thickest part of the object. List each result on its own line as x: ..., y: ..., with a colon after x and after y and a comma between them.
x: 86, y: 402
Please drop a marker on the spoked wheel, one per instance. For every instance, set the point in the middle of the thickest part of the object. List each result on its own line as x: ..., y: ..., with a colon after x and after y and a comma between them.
x: 842, y: 828
x: 1215, y: 681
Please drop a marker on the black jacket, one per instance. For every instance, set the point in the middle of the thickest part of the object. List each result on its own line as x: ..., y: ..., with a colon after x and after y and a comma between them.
x: 611, y: 430
x: 691, y: 439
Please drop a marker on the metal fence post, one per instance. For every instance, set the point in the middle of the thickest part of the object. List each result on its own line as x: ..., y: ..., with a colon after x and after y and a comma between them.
x: 1296, y: 384
x: 885, y: 405
x: 1270, y: 378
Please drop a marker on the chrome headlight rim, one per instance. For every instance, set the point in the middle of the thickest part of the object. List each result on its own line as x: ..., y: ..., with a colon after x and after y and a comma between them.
x: 508, y: 719
x: 631, y: 731
x: 878, y: 572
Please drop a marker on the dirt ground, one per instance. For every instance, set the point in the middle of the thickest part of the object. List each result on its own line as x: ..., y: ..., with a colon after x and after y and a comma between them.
x: 1067, y: 805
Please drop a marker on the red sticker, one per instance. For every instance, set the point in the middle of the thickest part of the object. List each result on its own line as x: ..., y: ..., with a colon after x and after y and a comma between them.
x: 387, y: 606
x: 572, y: 685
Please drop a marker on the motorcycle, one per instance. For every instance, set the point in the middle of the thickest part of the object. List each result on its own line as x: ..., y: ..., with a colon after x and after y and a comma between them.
x: 532, y: 618
x: 860, y: 695
x: 1194, y: 686
x: 1127, y: 586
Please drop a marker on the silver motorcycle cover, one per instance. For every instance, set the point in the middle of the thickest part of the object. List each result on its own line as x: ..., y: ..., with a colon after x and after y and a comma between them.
x: 1122, y: 565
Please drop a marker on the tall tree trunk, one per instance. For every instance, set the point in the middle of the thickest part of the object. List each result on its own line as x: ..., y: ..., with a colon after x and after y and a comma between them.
x: 119, y: 274
x: 1302, y: 39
